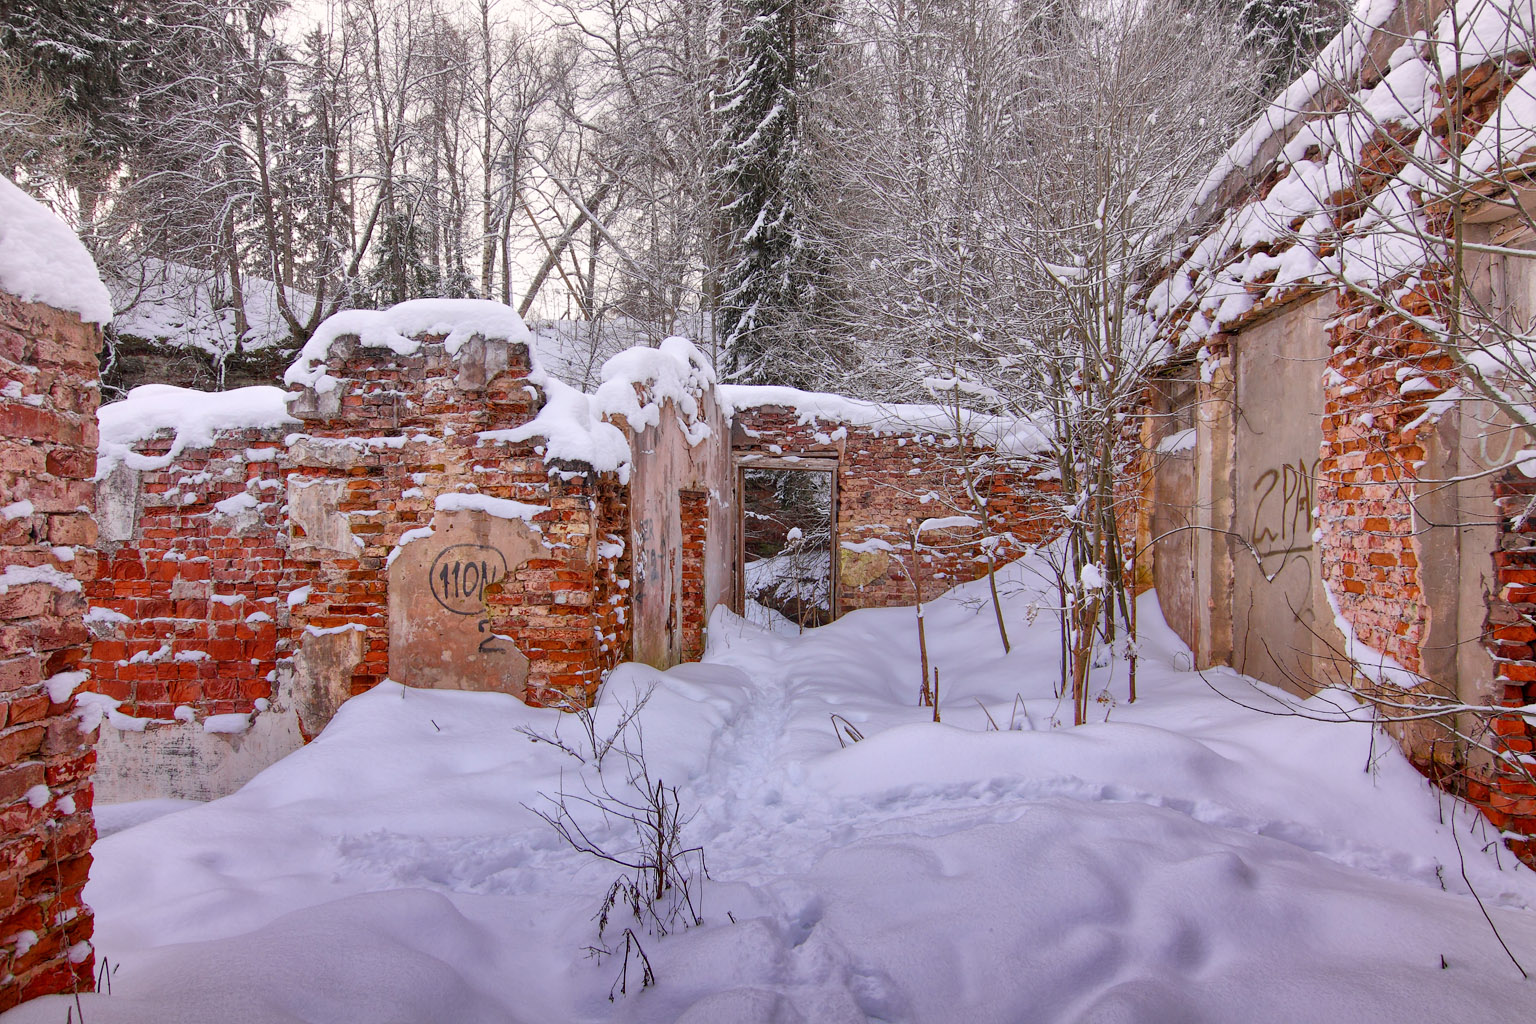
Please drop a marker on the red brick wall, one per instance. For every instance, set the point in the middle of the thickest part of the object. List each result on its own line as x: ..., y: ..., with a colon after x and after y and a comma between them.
x: 1366, y: 478
x: 202, y: 590
x: 694, y: 509
x: 47, y: 456
x: 1506, y: 791
x: 614, y: 564
x: 416, y: 400
x: 883, y: 479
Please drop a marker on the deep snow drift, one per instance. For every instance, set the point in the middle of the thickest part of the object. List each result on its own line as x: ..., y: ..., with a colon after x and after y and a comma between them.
x: 1191, y: 860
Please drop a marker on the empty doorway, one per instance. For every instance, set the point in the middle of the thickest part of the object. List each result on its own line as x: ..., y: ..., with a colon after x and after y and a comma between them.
x: 788, y: 540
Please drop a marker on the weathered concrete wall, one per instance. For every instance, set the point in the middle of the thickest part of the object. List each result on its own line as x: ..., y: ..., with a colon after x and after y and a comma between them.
x: 442, y: 634
x: 1171, y: 443
x: 1233, y: 456
x: 47, y: 456
x: 681, y: 562
x: 1281, y: 621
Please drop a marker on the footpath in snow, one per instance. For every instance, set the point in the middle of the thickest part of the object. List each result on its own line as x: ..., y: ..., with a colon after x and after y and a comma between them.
x: 1189, y: 860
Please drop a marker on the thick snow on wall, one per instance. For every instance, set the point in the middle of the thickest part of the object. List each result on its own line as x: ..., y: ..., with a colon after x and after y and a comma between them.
x: 1340, y: 60
x: 401, y: 328
x: 41, y: 260
x: 576, y: 427
x: 194, y: 418
x: 1269, y: 244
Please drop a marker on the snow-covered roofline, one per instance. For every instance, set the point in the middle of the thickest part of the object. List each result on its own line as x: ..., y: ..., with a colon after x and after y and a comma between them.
x: 577, y: 427
x: 1264, y: 248
x: 41, y: 259
x: 1010, y: 435
x: 1341, y: 60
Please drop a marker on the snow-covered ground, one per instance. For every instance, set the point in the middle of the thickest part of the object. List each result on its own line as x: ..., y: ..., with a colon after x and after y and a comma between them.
x: 1190, y: 860
x: 798, y: 580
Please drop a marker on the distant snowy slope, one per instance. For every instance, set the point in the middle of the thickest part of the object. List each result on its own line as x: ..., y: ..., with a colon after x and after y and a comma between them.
x: 184, y: 307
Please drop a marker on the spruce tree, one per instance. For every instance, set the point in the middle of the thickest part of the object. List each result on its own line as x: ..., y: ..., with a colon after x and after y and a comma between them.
x: 78, y: 50
x: 769, y: 277
x: 1288, y: 34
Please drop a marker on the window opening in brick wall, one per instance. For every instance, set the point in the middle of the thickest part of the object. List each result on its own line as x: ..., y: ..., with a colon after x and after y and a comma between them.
x: 788, y: 525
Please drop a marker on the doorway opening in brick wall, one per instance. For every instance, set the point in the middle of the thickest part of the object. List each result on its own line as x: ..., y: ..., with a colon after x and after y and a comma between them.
x: 788, y: 537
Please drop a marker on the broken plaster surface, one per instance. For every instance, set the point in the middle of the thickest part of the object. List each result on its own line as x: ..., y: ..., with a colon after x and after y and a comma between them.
x: 443, y: 630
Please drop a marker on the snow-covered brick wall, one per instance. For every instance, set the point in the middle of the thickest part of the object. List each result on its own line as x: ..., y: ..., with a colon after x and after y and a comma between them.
x: 1503, y: 790
x: 47, y: 557
x: 1327, y: 194
x: 404, y: 410
x: 892, y: 475
x: 187, y: 609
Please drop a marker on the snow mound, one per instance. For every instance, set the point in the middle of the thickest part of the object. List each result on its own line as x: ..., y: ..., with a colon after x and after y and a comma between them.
x: 175, y: 304
x: 41, y: 260
x: 1189, y: 859
x: 194, y: 417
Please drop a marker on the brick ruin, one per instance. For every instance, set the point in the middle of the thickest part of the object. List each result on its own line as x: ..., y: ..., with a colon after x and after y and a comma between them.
x: 195, y: 596
x: 892, y: 475
x: 1331, y: 509
x: 47, y: 555
x: 438, y: 511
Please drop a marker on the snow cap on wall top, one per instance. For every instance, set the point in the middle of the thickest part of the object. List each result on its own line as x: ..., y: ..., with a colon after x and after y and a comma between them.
x: 400, y: 329
x: 1011, y: 435
x: 676, y: 370
x: 41, y: 259
x: 194, y: 417
x: 576, y: 426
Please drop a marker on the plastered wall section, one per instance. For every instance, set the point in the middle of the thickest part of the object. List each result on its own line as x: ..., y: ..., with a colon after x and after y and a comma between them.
x: 47, y: 456
x: 889, y: 481
x: 1173, y: 516
x: 682, y: 533
x: 1282, y: 625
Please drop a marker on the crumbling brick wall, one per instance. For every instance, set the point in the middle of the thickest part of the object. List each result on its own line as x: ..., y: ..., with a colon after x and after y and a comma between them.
x: 1504, y: 790
x: 695, y: 530
x: 402, y: 430
x: 47, y: 457
x: 187, y: 610
x: 890, y: 480
x: 1367, y: 479
x: 1406, y: 516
